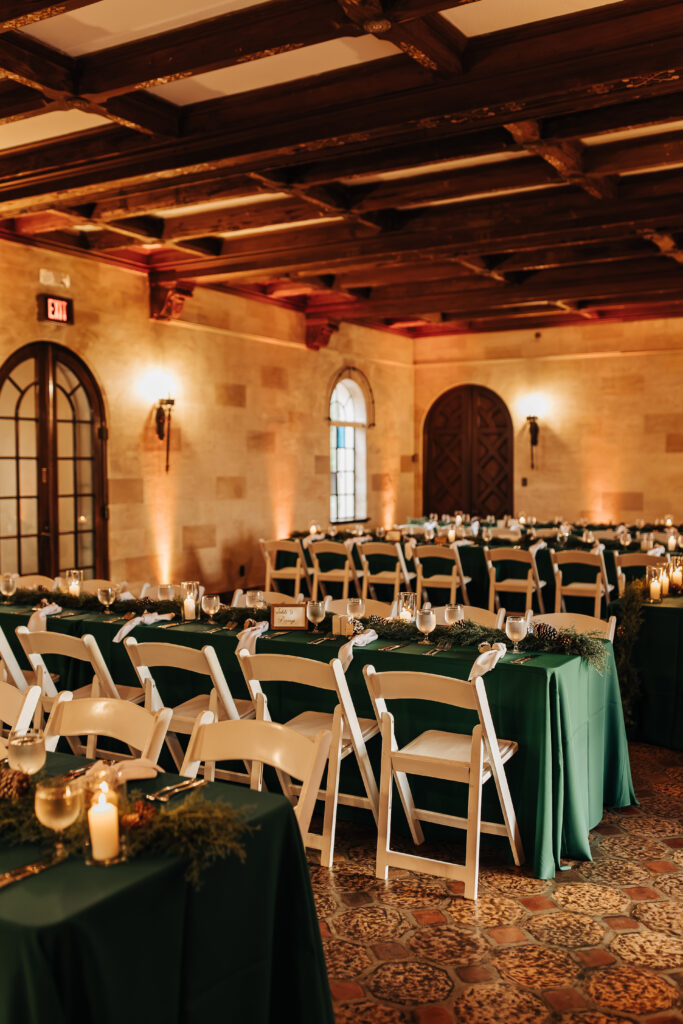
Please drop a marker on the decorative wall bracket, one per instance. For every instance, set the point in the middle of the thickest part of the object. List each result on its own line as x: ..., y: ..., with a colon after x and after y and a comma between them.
x: 319, y: 332
x: 166, y: 301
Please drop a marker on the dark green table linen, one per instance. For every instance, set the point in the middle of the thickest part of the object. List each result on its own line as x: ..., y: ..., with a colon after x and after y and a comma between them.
x: 565, y: 715
x: 134, y: 943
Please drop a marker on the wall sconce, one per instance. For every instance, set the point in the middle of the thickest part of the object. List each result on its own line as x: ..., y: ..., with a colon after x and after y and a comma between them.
x: 533, y: 435
x: 163, y: 423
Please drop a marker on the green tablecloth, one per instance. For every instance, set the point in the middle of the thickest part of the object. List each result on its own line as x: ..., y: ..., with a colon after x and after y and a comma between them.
x: 659, y: 660
x: 134, y: 944
x: 566, y: 717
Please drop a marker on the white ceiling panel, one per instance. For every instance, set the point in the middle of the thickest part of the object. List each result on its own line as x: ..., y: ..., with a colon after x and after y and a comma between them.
x: 490, y: 15
x: 48, y: 126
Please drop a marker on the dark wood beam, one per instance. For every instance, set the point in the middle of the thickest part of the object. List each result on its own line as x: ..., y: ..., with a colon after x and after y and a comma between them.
x: 431, y: 41
x: 18, y: 102
x: 239, y: 218
x: 29, y: 63
x: 331, y: 201
x: 566, y: 157
x: 19, y: 13
x: 665, y: 242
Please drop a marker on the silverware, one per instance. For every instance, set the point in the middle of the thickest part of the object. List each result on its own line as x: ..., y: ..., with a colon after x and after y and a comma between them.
x: 271, y: 636
x: 63, y: 615
x: 319, y: 640
x: 75, y: 773
x: 164, y: 795
x: 395, y: 647
x: 436, y: 650
x: 520, y: 661
x: 167, y: 625
x: 18, y: 874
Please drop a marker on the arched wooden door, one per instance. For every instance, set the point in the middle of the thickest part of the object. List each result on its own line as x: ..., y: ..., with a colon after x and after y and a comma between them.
x: 468, y: 453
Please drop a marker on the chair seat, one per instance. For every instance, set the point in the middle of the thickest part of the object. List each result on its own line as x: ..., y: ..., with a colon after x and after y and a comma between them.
x: 289, y: 572
x: 586, y: 589
x: 386, y: 576
x: 515, y: 584
x: 185, y: 714
x: 134, y: 694
x: 452, y: 746
x: 337, y: 575
x: 310, y: 723
x: 443, y: 580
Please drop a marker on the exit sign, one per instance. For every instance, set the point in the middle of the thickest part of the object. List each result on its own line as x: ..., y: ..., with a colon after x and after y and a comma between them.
x: 55, y: 309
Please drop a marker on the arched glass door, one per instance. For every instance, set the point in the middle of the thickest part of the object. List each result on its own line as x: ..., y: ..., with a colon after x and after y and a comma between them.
x: 53, y: 507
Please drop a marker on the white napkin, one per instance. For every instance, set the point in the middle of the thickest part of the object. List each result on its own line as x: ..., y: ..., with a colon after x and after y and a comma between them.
x: 147, y: 619
x: 38, y: 621
x: 246, y: 639
x: 487, y: 660
x: 137, y: 768
x: 126, y: 596
x: 657, y: 550
x: 345, y: 654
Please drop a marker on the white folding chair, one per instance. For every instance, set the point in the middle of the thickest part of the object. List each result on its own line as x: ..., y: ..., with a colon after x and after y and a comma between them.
x: 397, y: 577
x: 581, y: 623
x: 636, y: 560
x: 297, y: 572
x: 202, y: 662
x: 120, y: 720
x: 17, y: 709
x: 337, y: 606
x: 35, y: 580
x: 344, y: 573
x: 80, y: 648
x: 450, y: 581
x: 595, y: 589
x: 239, y: 598
x: 455, y: 757
x: 262, y: 742
x: 92, y: 586
x: 528, y: 585
x: 349, y: 733
x: 482, y: 616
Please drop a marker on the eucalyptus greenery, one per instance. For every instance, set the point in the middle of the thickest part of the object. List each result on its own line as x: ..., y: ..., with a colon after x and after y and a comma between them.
x: 630, y: 615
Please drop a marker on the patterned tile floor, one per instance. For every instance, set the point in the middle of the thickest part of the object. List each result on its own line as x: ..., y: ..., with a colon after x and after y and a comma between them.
x: 602, y: 943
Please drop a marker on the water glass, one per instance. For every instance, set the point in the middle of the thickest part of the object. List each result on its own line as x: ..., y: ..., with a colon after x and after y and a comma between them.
x: 165, y: 592
x: 355, y: 607
x: 516, y: 629
x: 106, y: 596
x: 26, y: 751
x: 425, y: 620
x: 210, y: 605
x: 315, y: 613
x: 452, y: 613
x: 8, y: 585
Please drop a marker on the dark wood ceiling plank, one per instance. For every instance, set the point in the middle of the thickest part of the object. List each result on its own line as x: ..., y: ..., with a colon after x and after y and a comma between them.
x: 28, y: 62
x: 18, y: 102
x: 431, y: 41
x: 239, y: 218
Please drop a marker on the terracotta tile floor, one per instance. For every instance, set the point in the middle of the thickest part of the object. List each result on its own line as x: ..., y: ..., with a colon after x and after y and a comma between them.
x: 599, y: 944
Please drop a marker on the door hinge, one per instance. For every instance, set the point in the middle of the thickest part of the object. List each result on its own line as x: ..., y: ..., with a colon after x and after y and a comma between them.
x: 105, y: 512
x: 103, y: 433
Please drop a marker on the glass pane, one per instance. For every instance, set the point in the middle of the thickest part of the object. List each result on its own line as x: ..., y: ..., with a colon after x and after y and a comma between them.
x: 28, y: 515
x: 28, y: 438
x: 84, y: 440
x: 27, y: 403
x: 25, y: 373
x: 65, y: 378
x: 81, y: 404
x: 28, y: 477
x: 65, y: 440
x: 84, y: 476
x: 84, y: 512
x: 8, y: 517
x: 7, y: 438
x: 8, y: 477
x: 67, y: 508
x: 9, y: 396
x: 333, y: 509
x: 65, y: 476
x: 66, y: 551
x: 85, y: 549
x: 29, y: 554
x: 64, y: 410
x: 8, y: 556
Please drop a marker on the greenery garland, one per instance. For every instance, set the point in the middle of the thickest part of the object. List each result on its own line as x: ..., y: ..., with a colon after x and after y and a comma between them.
x: 630, y: 616
x: 197, y: 830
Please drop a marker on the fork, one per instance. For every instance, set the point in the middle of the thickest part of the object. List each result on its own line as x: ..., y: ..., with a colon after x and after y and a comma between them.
x: 165, y: 794
x: 436, y: 650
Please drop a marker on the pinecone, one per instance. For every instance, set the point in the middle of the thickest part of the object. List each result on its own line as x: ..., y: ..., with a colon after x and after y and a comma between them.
x: 565, y: 643
x: 621, y: 632
x: 140, y: 815
x: 544, y: 631
x: 13, y: 784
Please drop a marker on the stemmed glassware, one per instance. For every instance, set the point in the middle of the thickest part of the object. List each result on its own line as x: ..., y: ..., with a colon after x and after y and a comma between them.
x: 452, y: 614
x: 516, y: 630
x: 8, y: 585
x: 315, y: 613
x: 256, y: 600
x: 57, y: 805
x: 26, y: 751
x: 210, y: 605
x: 355, y: 607
x: 106, y: 596
x: 425, y: 620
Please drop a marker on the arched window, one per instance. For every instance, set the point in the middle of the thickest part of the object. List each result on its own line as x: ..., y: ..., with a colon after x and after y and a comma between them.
x: 53, y: 502
x: 348, y: 422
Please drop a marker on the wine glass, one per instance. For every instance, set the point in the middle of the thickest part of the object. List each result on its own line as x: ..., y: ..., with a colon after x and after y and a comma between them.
x: 355, y: 607
x: 26, y: 751
x: 260, y: 603
x: 516, y: 630
x: 210, y: 605
x: 57, y: 805
x: 106, y: 596
x: 251, y: 598
x: 315, y: 613
x: 8, y: 585
x: 452, y: 613
x: 425, y: 620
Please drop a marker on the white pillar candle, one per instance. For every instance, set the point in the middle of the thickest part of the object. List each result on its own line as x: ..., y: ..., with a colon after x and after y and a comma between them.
x: 75, y: 588
x: 677, y: 577
x: 671, y: 542
x: 451, y: 536
x: 655, y: 590
x: 103, y: 825
x: 664, y: 579
x: 189, y: 609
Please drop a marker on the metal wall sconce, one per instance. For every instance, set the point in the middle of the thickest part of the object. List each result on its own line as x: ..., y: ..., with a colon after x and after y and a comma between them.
x: 163, y: 423
x: 533, y: 435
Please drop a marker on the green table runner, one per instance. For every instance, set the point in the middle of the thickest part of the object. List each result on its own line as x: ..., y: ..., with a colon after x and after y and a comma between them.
x: 135, y: 944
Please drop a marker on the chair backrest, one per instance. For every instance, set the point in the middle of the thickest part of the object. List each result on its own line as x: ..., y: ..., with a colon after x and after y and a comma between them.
x: 102, y: 716
x: 271, y: 548
x: 157, y: 655
x: 482, y: 616
x: 509, y: 555
x: 373, y: 548
x: 637, y: 559
x: 12, y: 668
x: 337, y: 606
x: 92, y: 586
x: 82, y: 648
x: 17, y: 709
x: 330, y: 547
x: 239, y: 598
x: 581, y: 623
x: 35, y: 580
x: 423, y: 552
x: 263, y: 742
x: 576, y: 558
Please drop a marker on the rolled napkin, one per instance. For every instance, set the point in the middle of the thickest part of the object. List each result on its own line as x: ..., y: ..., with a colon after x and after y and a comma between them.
x: 657, y: 550
x: 487, y: 659
x: 345, y: 654
x: 137, y: 768
x: 246, y: 640
x: 38, y: 621
x: 148, y: 619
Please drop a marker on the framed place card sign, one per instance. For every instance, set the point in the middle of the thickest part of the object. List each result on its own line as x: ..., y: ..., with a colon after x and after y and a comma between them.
x: 392, y: 535
x: 288, y: 616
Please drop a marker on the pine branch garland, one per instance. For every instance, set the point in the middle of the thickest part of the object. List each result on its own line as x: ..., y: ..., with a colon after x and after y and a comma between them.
x: 630, y: 621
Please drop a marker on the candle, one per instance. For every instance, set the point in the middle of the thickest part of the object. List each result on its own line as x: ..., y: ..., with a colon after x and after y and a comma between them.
x: 664, y: 579
x: 668, y: 521
x: 103, y: 825
x: 75, y: 588
x: 405, y: 615
x: 677, y: 578
x: 451, y: 535
x: 458, y: 520
x: 671, y: 542
x: 655, y: 590
x: 189, y: 609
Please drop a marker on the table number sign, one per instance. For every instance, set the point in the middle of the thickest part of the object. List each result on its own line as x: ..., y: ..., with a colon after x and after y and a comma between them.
x: 392, y: 536
x: 288, y: 616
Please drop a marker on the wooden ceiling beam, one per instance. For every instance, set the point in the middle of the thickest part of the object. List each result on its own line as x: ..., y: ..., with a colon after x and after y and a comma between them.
x: 239, y: 218
x: 566, y: 157
x: 328, y: 201
x: 31, y: 64
x: 431, y: 41
x: 16, y: 14
x: 665, y: 242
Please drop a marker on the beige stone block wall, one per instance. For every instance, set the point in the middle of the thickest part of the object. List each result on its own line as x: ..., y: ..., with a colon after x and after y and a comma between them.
x: 249, y: 438
x: 611, y: 425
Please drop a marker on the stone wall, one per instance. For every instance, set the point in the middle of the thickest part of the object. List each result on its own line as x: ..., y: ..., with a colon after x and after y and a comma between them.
x: 249, y: 451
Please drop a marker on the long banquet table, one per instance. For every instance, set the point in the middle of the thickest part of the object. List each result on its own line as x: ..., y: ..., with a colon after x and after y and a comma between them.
x: 565, y: 715
x: 135, y: 943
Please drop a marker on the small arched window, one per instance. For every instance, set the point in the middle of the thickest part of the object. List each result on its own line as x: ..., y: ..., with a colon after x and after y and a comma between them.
x: 348, y: 423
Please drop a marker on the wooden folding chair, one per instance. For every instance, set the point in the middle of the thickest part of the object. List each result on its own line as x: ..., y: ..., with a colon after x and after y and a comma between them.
x: 451, y: 581
x: 344, y: 572
x: 482, y: 616
x: 581, y: 623
x: 455, y: 757
x: 633, y: 561
x: 527, y: 585
x: 596, y: 589
x: 296, y: 572
x: 397, y: 577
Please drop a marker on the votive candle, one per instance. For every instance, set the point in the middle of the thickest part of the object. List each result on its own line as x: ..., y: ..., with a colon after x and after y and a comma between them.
x: 103, y: 825
x: 655, y: 590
